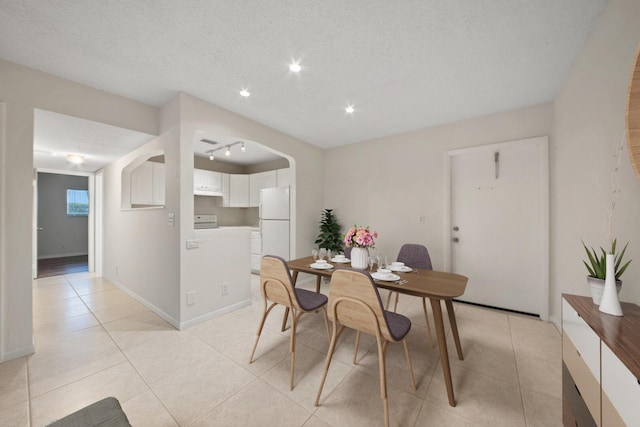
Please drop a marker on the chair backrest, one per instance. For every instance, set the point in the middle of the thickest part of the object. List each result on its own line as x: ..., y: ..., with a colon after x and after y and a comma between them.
x: 347, y: 252
x: 415, y: 256
x: 355, y: 301
x: 276, y: 283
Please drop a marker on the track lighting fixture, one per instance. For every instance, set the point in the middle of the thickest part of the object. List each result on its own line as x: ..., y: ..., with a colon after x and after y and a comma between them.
x: 227, y: 149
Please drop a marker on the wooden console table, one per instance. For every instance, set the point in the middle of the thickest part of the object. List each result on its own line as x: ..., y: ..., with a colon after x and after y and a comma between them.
x: 600, y: 364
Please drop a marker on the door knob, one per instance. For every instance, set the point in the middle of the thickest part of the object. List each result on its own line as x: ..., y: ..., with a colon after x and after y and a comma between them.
x: 456, y: 228
x: 455, y: 239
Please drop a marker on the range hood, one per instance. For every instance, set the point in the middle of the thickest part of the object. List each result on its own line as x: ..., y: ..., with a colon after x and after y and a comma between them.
x: 209, y: 193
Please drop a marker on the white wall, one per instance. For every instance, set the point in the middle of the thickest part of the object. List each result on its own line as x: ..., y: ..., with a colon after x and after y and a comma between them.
x: 60, y: 235
x: 197, y: 115
x: 396, y: 184
x: 141, y: 249
x: 22, y: 90
x: 588, y: 121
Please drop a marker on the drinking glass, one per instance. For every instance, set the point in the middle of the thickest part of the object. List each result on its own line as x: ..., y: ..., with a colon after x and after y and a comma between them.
x: 372, y: 261
x: 329, y: 255
x: 382, y: 261
x: 314, y: 254
x: 323, y: 253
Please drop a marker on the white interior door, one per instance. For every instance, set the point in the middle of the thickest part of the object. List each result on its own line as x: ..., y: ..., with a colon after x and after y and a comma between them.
x: 499, y: 224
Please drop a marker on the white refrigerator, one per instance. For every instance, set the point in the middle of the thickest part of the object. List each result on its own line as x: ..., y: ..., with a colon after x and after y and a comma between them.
x: 274, y: 221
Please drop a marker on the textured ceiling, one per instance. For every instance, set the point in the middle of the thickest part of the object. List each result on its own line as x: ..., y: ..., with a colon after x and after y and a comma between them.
x: 404, y: 65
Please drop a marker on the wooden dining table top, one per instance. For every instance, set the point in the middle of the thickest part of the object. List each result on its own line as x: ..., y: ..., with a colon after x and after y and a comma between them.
x: 422, y: 283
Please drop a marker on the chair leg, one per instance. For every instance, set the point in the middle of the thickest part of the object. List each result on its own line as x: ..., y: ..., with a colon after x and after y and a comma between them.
x: 332, y: 347
x: 292, y: 346
x: 355, y: 351
x: 426, y: 317
x: 259, y: 332
x: 326, y: 323
x: 406, y: 352
x: 382, y: 349
x: 395, y: 307
x: 284, y: 319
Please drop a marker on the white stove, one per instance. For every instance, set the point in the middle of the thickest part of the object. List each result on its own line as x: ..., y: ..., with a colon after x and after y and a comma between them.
x: 201, y: 222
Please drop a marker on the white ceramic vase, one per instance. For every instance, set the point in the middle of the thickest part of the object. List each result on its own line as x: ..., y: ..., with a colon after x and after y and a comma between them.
x: 610, y: 303
x: 359, y: 258
x: 597, y: 288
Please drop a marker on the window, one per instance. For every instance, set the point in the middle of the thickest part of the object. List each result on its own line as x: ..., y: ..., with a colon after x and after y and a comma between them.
x: 77, y: 202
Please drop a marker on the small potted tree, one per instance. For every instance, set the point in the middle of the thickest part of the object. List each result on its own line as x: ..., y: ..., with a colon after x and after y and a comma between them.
x: 329, y: 236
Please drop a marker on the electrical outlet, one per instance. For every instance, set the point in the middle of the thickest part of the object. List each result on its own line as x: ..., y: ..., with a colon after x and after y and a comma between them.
x: 191, y: 298
x: 223, y: 289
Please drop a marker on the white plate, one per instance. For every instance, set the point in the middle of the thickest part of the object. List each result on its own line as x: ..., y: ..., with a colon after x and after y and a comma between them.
x: 321, y: 266
x: 403, y: 269
x: 341, y: 261
x: 385, y: 277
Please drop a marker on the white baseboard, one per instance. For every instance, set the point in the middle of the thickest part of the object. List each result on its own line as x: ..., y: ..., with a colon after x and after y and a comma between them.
x: 172, y: 321
x: 14, y: 354
x: 63, y: 255
x: 211, y: 315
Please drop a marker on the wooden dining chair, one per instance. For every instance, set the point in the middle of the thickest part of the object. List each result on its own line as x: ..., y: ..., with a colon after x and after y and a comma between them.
x: 354, y: 302
x: 276, y: 285
x: 417, y: 256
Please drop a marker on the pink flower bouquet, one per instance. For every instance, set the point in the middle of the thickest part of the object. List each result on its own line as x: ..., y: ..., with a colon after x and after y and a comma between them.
x: 360, y: 237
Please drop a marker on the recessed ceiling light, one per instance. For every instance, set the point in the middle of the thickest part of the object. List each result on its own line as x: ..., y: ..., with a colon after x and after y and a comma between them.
x: 244, y: 93
x: 349, y: 109
x: 295, y: 67
x: 228, y: 152
x: 243, y: 148
x: 211, y: 157
x: 76, y: 159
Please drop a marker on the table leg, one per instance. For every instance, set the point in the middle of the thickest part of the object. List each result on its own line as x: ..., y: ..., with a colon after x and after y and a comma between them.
x: 442, y: 344
x: 318, y: 282
x: 294, y: 278
x: 454, y: 327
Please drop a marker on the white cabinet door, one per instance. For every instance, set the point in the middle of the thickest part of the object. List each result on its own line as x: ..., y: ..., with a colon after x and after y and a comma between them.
x: 225, y: 190
x: 205, y: 181
x: 158, y: 184
x: 258, y: 181
x: 283, y: 179
x: 142, y: 184
x: 622, y: 389
x: 238, y: 191
x: 213, y: 181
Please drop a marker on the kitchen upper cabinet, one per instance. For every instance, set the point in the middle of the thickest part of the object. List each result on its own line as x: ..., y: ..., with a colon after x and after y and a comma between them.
x: 238, y: 191
x: 207, y: 182
x: 147, y: 184
x: 258, y: 181
x: 283, y: 179
x: 226, y: 192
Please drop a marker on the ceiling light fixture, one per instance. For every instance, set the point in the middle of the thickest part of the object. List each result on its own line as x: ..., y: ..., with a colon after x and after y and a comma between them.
x: 244, y: 93
x: 349, y: 109
x: 76, y: 159
x: 295, y: 67
x: 226, y: 148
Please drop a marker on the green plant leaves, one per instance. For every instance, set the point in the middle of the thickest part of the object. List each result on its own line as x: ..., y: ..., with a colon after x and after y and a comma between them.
x: 329, y: 236
x: 597, y: 266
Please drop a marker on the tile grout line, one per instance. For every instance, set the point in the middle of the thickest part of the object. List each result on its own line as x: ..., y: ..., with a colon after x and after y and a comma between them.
x: 515, y: 359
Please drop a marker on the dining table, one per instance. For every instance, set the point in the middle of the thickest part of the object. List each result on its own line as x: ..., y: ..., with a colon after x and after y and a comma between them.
x: 437, y: 286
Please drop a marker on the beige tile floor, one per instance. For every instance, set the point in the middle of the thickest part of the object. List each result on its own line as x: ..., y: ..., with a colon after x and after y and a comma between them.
x: 93, y: 341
